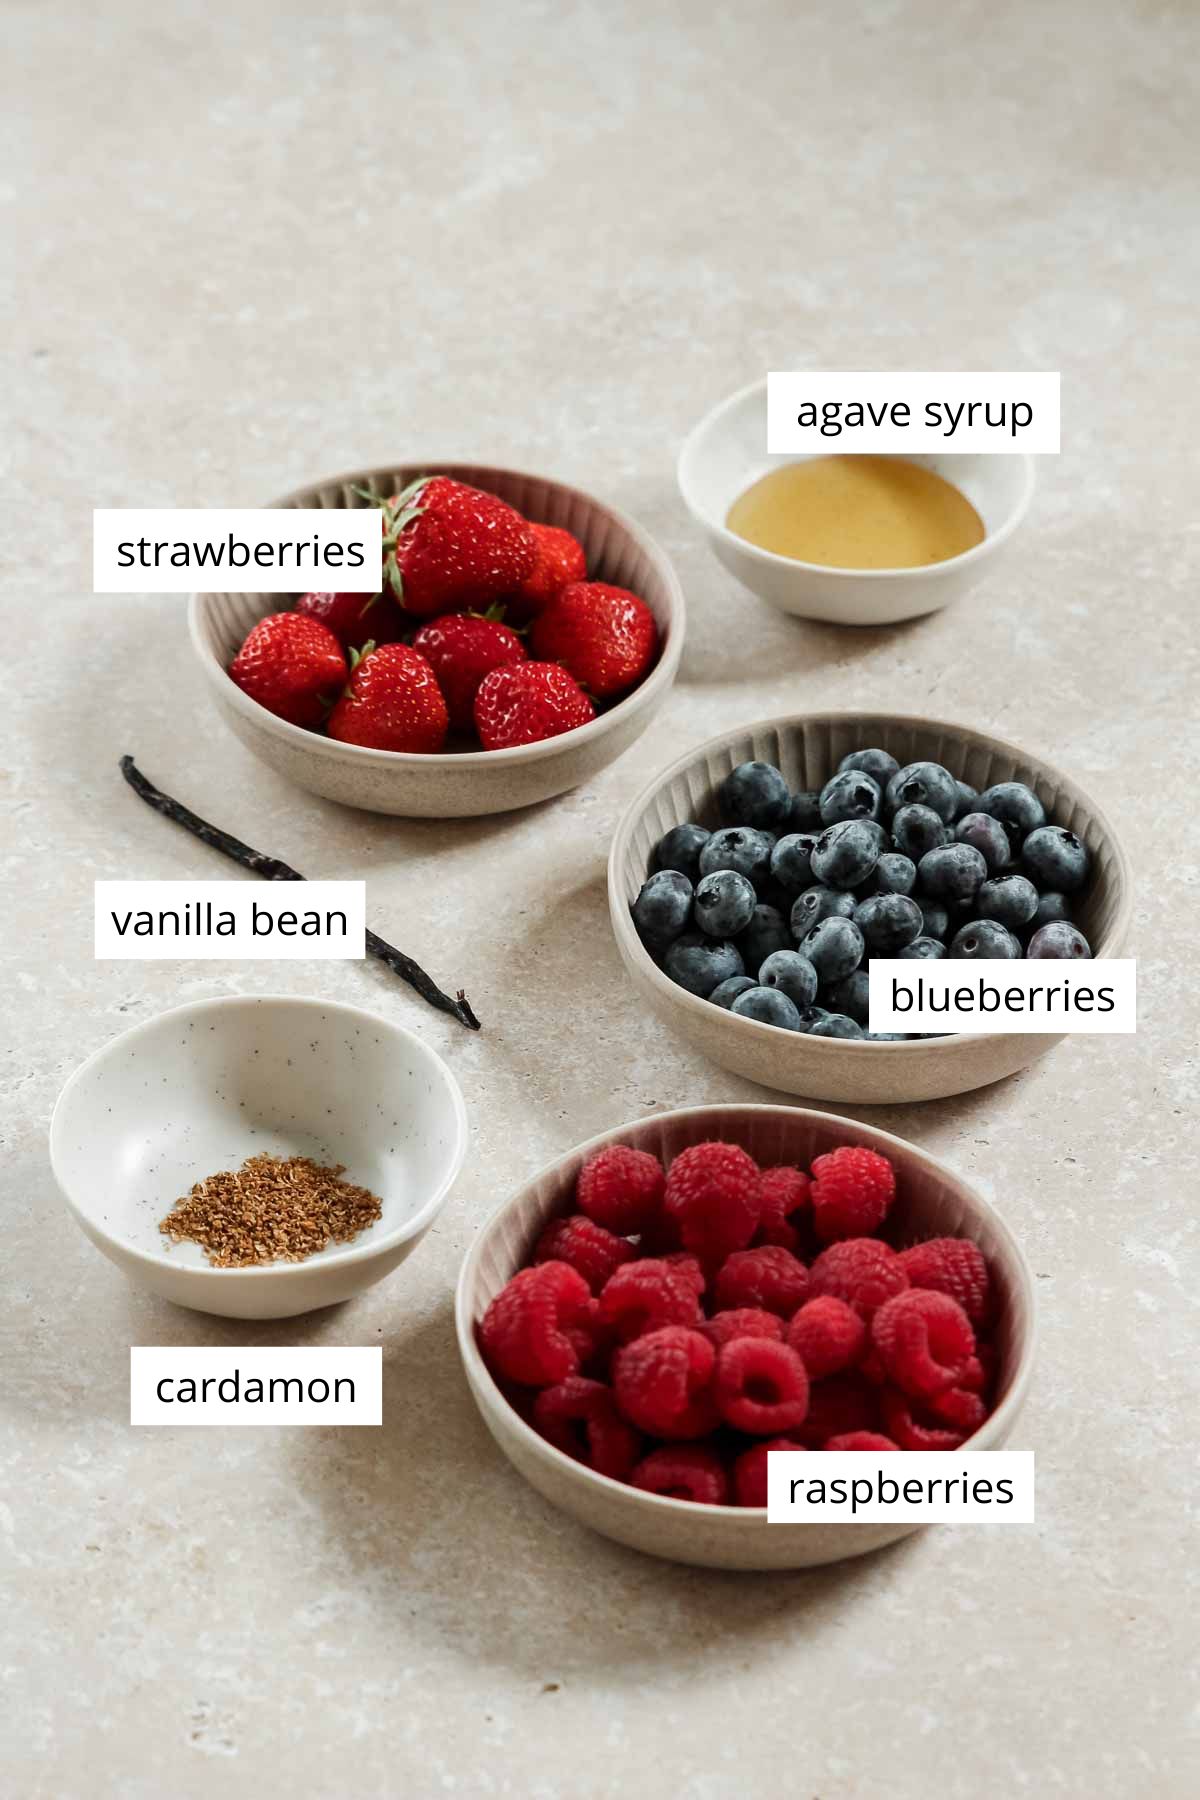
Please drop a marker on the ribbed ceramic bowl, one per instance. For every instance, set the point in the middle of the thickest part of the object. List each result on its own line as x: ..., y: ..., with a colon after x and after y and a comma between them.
x: 808, y: 748
x: 930, y: 1202
x: 456, y: 784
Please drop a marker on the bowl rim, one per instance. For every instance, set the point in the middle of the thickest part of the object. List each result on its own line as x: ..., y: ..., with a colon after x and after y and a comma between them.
x: 339, y: 1258
x: 480, y: 1376
x: 770, y: 559
x: 938, y: 1047
x: 660, y: 677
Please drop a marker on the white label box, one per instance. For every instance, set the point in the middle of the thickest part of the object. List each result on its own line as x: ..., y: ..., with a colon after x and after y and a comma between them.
x: 994, y: 994
x: 236, y: 549
x: 998, y: 412
x: 162, y: 921
x: 905, y: 1487
x: 173, y: 1384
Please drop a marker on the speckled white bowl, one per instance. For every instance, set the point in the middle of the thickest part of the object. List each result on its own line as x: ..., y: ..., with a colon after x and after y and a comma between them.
x: 204, y: 1086
x: 931, y: 1201
x: 457, y: 783
x: 727, y: 452
x: 808, y: 747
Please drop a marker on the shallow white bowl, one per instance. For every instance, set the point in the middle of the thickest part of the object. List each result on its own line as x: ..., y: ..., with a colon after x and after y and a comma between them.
x: 456, y: 783
x: 930, y: 1201
x: 727, y: 451
x: 204, y: 1086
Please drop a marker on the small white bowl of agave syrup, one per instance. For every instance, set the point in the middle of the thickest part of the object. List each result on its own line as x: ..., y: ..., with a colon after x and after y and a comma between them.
x: 857, y: 540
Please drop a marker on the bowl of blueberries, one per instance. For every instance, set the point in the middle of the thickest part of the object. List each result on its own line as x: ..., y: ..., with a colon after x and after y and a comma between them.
x: 753, y: 881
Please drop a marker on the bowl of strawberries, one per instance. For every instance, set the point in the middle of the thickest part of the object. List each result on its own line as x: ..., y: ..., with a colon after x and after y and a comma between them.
x: 658, y: 1310
x: 524, y: 636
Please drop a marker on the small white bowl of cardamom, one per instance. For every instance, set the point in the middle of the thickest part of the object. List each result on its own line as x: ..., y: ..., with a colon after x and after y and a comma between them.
x: 259, y: 1156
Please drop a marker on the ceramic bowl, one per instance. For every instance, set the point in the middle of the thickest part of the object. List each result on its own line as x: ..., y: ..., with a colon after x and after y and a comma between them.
x: 727, y: 452
x: 455, y: 784
x: 204, y: 1086
x: 808, y: 748
x: 931, y: 1201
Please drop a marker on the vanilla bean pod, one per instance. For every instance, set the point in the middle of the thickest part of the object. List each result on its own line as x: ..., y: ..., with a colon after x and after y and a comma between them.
x: 272, y: 869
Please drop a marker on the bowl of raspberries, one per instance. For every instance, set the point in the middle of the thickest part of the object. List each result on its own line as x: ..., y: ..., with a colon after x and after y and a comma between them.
x: 524, y: 636
x: 655, y: 1312
x: 753, y: 882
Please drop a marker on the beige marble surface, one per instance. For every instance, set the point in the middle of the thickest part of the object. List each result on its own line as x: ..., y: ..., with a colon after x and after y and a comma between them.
x: 258, y: 244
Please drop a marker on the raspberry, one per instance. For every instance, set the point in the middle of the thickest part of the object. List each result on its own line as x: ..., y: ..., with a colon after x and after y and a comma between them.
x: 662, y: 1381
x: 523, y: 1333
x: 828, y: 1336
x: 760, y: 1386
x: 741, y: 1321
x: 769, y: 1277
x: 750, y: 1471
x: 687, y: 1266
x: 924, y: 1340
x: 786, y: 1203
x: 580, y: 1417
x: 712, y: 1194
x: 860, y: 1440
x: 912, y: 1427
x: 839, y: 1404
x: 861, y: 1271
x: 621, y: 1188
x: 851, y: 1192
x: 591, y: 1337
x: 689, y: 1472
x: 642, y: 1296
x: 588, y: 1247
x: 959, y: 1408
x: 953, y: 1266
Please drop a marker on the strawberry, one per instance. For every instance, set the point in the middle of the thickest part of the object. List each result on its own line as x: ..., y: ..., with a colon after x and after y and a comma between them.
x: 393, y: 702
x: 292, y: 665
x: 461, y: 649
x: 525, y: 702
x: 604, y: 636
x: 448, y: 546
x: 560, y: 559
x: 353, y: 618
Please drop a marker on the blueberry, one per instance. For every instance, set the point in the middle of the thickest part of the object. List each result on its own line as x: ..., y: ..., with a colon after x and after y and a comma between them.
x: 850, y: 795
x: 766, y: 933
x: 680, y: 849
x: 834, y: 948
x: 988, y: 836
x: 837, y: 1025
x: 791, y: 860
x: 916, y: 830
x: 662, y: 908
x: 846, y: 853
x: 922, y: 949
x: 967, y: 797
x: 793, y: 975
x: 984, y: 938
x: 1058, y: 939
x: 1057, y: 859
x: 768, y: 1006
x: 805, y: 811
x: 888, y: 922
x: 745, y: 851
x: 817, y: 903
x: 893, y: 874
x: 955, y: 873
x: 812, y: 1016
x: 924, y: 784
x: 724, y: 903
x: 700, y: 964
x: 726, y: 992
x: 850, y: 996
x: 1016, y: 806
x: 1009, y: 899
x: 936, y: 918
x: 880, y: 765
x: 755, y: 794
x: 1052, y: 909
